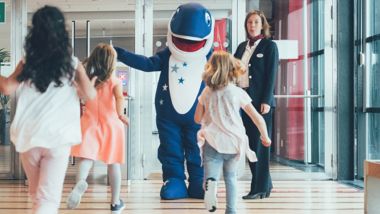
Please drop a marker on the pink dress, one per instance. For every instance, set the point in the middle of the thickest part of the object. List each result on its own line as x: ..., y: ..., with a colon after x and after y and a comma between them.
x: 103, y: 134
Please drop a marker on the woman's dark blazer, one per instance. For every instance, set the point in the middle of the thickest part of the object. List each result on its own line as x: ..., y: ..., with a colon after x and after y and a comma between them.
x: 262, y: 67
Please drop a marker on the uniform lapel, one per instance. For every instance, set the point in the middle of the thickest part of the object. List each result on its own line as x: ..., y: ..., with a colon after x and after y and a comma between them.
x: 241, y: 50
x: 258, y: 50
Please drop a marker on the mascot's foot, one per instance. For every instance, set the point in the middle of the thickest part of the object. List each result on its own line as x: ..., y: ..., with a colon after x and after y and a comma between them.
x: 195, y: 189
x: 174, y: 188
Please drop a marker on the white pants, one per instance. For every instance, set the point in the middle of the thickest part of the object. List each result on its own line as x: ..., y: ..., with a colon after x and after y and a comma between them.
x: 45, y: 170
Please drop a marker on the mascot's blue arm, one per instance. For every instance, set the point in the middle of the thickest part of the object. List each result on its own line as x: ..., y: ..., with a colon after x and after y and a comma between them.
x: 140, y: 62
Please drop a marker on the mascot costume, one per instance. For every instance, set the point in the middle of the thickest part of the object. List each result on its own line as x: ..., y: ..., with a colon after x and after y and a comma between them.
x: 189, y: 40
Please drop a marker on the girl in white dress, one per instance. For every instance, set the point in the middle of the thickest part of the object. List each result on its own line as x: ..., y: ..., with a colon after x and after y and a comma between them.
x: 47, y: 119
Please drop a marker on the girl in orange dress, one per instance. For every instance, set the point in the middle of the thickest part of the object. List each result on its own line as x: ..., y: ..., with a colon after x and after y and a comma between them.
x: 102, y: 126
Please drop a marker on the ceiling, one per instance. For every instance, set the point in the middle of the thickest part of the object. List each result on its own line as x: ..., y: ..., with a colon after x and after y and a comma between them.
x: 119, y: 5
x: 116, y: 18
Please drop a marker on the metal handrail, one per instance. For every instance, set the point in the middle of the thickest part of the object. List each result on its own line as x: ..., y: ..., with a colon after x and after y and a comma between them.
x: 297, y: 96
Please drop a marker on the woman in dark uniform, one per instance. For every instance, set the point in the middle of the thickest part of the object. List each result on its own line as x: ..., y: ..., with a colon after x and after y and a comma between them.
x: 260, y: 55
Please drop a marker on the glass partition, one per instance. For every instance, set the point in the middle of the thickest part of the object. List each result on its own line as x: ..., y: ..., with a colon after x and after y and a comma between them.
x: 299, y: 117
x: 366, y: 87
x: 372, y: 78
x: 6, y: 150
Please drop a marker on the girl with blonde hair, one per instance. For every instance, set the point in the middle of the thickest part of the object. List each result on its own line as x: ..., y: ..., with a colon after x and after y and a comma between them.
x: 222, y: 132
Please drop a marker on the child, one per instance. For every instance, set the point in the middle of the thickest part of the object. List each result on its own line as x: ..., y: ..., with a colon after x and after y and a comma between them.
x: 218, y: 111
x: 102, y: 127
x: 47, y: 119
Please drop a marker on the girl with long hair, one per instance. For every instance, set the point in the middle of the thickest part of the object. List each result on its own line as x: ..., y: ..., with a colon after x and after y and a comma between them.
x: 102, y: 127
x: 47, y: 119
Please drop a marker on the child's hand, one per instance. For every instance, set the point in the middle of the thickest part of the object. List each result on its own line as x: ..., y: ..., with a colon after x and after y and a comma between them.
x: 93, y: 80
x: 124, y: 119
x: 80, y: 91
x: 265, y: 141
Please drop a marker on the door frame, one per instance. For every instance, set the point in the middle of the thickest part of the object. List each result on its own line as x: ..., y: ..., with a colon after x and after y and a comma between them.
x: 330, y: 95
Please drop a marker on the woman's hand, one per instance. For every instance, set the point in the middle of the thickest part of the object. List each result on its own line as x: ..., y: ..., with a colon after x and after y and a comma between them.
x: 8, y: 85
x: 265, y: 141
x: 265, y: 108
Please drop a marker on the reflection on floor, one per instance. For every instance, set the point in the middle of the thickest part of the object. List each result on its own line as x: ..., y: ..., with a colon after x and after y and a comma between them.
x: 5, y: 157
x: 98, y: 174
x: 279, y: 172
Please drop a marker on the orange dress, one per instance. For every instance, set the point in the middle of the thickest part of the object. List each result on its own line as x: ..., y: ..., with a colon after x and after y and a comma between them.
x: 103, y: 134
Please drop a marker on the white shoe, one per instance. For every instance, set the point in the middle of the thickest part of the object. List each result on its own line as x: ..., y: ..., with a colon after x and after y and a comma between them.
x: 73, y: 200
x: 210, y: 194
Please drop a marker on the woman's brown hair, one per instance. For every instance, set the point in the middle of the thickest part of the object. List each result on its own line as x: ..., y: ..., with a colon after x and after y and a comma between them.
x: 221, y: 69
x: 101, y: 63
x: 265, y: 31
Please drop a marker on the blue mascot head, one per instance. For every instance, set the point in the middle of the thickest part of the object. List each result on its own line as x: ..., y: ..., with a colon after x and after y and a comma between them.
x: 191, y: 31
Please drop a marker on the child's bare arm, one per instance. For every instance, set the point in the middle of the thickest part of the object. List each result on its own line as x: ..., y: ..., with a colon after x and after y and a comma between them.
x: 84, y: 85
x: 8, y: 85
x: 259, y: 121
x: 119, y: 98
x: 199, y: 111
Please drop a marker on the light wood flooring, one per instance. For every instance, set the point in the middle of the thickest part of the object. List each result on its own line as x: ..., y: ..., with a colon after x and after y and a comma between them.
x: 289, y: 196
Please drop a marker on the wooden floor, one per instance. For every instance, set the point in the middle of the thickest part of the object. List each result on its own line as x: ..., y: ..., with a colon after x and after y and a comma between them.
x: 142, y: 197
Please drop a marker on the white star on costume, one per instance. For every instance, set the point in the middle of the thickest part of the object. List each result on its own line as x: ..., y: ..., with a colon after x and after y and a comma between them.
x: 165, y: 87
x: 175, y: 68
x: 161, y: 102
